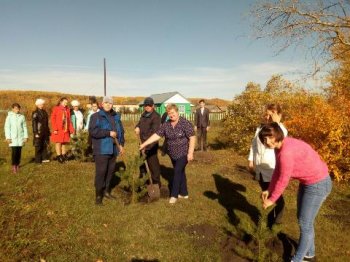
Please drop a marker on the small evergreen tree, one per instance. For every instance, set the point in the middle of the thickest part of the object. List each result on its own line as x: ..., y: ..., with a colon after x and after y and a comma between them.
x: 79, y: 147
x: 131, y: 180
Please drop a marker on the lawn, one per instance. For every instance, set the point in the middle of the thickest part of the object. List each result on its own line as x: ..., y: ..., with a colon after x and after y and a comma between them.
x: 47, y: 212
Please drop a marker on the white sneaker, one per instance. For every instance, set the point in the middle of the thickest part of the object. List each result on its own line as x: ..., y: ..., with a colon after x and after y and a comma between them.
x: 172, y: 200
x: 184, y: 197
x: 45, y: 161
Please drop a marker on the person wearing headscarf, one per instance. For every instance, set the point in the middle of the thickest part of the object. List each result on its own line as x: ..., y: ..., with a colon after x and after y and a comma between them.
x: 41, y: 132
x: 77, y: 117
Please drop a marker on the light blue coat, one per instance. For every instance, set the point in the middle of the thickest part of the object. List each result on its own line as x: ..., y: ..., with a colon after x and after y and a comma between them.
x: 16, y: 128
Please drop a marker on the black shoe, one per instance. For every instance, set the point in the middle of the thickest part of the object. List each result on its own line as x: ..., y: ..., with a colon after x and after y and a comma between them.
x: 109, y: 195
x: 98, y: 201
x: 99, y: 197
x: 65, y: 158
x: 60, y: 159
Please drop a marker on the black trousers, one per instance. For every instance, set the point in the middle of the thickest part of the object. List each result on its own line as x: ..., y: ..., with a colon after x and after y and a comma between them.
x: 179, y: 183
x: 153, y: 164
x: 16, y: 155
x: 201, y: 138
x: 276, y: 214
x: 41, y: 150
x: 105, y: 169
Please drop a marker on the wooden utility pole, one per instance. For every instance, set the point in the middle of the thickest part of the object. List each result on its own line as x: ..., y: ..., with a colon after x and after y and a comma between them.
x: 104, y: 69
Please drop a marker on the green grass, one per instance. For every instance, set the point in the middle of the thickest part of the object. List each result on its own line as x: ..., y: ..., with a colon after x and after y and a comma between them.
x: 47, y: 211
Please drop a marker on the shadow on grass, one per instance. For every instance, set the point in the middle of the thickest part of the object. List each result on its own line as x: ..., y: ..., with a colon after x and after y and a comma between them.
x: 217, y: 145
x: 168, y: 174
x: 229, y: 197
x: 289, y: 246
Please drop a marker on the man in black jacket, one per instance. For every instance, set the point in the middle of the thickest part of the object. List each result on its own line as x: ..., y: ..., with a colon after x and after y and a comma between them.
x: 41, y: 132
x: 202, y: 125
x: 149, y: 123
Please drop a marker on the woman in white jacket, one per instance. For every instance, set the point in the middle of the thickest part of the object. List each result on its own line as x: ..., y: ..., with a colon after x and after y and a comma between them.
x: 262, y: 160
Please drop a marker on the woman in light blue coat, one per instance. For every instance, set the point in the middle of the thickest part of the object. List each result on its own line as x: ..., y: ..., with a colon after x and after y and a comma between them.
x: 16, y: 134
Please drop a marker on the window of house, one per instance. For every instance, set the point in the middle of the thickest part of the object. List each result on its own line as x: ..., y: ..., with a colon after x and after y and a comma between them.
x: 182, y: 109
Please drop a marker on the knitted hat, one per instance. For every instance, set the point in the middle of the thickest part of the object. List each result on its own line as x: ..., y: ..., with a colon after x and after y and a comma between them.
x: 75, y: 103
x: 107, y: 99
x: 39, y: 101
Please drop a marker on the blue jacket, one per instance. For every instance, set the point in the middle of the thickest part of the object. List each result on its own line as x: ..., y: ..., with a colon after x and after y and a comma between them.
x: 16, y: 129
x: 101, y: 123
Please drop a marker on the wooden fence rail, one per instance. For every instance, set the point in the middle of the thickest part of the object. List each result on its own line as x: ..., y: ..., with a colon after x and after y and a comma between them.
x: 136, y: 117
x: 190, y: 117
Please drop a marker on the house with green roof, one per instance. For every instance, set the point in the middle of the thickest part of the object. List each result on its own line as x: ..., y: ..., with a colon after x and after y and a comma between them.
x: 162, y: 100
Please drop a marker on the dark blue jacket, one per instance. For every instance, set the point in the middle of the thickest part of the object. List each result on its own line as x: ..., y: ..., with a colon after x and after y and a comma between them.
x: 101, y: 124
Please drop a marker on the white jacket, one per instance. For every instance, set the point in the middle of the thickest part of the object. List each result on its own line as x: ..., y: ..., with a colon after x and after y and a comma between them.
x: 263, y: 158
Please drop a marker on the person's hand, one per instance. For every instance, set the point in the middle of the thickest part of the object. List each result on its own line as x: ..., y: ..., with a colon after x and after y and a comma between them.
x: 208, y: 127
x: 195, y: 128
x: 37, y: 136
x: 264, y: 195
x: 275, y: 117
x: 189, y: 156
x: 137, y: 131
x: 121, y: 150
x: 9, y: 141
x: 25, y: 140
x: 267, y: 203
x: 251, y: 166
x: 113, y: 134
x: 142, y: 146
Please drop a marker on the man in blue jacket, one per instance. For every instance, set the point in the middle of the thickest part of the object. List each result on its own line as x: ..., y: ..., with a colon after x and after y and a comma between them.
x: 107, y: 135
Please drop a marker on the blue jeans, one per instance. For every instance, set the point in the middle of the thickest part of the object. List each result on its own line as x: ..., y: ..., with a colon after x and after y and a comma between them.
x: 310, y: 199
x: 179, y: 185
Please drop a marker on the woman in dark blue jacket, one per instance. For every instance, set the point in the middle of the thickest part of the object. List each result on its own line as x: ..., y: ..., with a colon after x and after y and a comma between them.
x: 107, y: 135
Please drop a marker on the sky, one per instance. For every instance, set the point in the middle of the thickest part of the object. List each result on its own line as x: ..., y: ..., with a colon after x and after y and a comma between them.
x: 200, y: 48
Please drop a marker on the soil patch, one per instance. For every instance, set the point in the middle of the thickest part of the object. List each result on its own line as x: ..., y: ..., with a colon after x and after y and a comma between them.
x: 228, y: 249
x: 245, y: 249
x: 203, y: 235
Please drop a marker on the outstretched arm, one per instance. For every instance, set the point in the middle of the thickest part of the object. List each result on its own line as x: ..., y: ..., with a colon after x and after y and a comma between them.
x: 149, y: 141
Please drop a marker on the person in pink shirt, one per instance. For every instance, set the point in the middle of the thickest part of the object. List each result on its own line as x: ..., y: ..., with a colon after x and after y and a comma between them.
x: 298, y: 160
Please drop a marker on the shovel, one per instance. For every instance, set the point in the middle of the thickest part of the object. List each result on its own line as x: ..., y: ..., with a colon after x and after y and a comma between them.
x: 153, y: 190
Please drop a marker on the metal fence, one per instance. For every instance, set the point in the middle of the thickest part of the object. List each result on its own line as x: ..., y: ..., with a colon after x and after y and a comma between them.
x: 212, y: 116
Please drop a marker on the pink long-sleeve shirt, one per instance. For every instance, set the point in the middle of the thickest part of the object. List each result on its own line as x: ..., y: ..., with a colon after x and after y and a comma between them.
x: 296, y: 159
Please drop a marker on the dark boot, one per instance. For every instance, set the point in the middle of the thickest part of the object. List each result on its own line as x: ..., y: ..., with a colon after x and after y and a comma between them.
x: 60, y: 159
x: 107, y: 194
x: 99, y: 197
x: 65, y: 158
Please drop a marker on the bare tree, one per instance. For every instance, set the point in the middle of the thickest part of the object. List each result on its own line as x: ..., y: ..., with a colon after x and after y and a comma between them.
x: 323, y: 26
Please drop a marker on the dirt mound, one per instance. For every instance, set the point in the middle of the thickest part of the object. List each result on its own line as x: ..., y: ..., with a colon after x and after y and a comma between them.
x: 203, y: 235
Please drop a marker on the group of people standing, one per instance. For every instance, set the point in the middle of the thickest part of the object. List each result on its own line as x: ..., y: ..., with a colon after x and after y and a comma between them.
x: 65, y: 122
x: 106, y: 138
x: 274, y: 157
